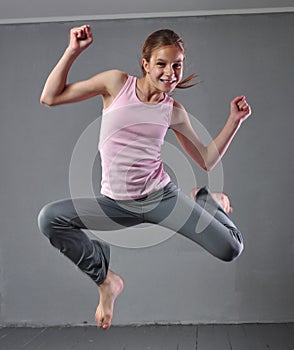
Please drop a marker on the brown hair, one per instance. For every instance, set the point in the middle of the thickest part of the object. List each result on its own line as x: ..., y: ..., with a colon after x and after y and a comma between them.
x: 166, y: 37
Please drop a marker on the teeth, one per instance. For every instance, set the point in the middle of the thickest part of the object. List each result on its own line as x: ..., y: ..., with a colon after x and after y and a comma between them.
x: 167, y: 81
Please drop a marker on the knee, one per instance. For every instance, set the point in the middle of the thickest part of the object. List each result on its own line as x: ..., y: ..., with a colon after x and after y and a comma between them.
x: 45, y: 220
x: 233, y: 252
x: 235, y: 245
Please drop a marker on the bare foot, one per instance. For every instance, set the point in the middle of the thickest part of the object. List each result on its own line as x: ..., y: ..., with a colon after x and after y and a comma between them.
x: 221, y: 198
x: 194, y: 192
x: 109, y: 291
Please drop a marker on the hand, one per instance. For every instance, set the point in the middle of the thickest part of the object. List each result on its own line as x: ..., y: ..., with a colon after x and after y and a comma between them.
x: 240, y: 109
x: 80, y: 38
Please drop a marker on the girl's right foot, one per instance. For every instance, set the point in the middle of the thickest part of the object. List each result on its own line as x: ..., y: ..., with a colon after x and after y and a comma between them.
x: 109, y: 291
x: 221, y: 198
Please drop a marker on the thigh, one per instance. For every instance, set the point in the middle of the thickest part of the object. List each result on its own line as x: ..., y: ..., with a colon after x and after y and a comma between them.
x: 101, y: 213
x: 210, y: 230
x: 183, y: 214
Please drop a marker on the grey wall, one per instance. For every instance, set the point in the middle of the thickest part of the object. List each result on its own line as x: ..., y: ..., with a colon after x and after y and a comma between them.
x: 174, y: 281
x: 14, y: 9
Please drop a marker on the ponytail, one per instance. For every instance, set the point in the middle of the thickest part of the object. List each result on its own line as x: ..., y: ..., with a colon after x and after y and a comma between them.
x: 184, y: 84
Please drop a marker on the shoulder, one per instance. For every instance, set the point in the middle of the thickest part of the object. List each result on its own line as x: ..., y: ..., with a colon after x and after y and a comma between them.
x: 104, y: 83
x: 110, y: 82
x: 117, y: 76
x: 113, y: 79
x: 179, y: 114
x: 178, y: 105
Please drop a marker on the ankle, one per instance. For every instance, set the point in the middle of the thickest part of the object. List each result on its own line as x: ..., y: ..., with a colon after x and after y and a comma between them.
x: 106, y: 282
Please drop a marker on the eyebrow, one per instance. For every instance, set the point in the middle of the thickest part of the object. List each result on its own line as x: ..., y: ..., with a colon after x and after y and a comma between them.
x: 161, y: 59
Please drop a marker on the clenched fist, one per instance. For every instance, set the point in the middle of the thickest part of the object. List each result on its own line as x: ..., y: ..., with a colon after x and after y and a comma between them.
x: 80, y: 38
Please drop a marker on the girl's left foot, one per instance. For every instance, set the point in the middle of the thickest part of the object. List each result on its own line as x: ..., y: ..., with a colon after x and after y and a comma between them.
x: 221, y: 198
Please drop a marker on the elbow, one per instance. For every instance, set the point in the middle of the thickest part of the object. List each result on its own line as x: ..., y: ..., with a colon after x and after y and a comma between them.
x: 44, y: 100
x: 205, y: 162
x: 208, y: 164
x: 202, y: 163
x: 207, y: 167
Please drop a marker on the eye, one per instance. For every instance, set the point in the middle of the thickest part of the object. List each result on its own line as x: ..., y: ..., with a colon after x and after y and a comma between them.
x: 178, y: 65
x: 161, y: 64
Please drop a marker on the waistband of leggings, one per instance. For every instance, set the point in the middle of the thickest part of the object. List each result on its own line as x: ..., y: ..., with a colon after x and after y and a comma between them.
x: 167, y: 190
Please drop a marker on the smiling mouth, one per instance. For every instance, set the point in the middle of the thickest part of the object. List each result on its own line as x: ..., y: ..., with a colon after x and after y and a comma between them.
x: 168, y: 81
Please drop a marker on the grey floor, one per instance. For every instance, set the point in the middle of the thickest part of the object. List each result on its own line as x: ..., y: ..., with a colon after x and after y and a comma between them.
x: 202, y: 337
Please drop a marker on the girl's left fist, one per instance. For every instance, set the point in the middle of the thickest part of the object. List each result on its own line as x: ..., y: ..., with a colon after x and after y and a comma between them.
x: 240, y: 109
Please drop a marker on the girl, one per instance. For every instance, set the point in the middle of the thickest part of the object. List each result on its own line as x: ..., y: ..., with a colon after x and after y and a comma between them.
x: 135, y: 188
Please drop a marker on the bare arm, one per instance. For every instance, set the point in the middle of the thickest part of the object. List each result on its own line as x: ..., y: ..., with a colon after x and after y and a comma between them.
x: 56, y: 90
x: 208, y: 156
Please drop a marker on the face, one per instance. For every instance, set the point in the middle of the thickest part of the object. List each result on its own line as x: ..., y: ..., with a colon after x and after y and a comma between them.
x: 165, y: 69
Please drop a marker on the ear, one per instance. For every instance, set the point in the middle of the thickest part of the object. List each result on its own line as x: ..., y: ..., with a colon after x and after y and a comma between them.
x: 145, y: 65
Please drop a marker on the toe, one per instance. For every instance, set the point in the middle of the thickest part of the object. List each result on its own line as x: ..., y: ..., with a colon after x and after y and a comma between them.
x: 99, y: 319
x: 106, y: 322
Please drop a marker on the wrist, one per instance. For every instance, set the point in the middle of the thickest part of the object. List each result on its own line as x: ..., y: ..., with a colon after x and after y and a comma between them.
x: 72, y: 53
x: 233, y: 122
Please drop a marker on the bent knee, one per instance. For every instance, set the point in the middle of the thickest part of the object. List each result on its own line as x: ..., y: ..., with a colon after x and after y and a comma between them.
x: 235, y: 246
x: 233, y: 252
x: 45, y: 220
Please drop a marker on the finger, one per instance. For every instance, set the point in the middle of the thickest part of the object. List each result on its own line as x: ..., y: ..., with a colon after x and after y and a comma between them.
x: 243, y: 105
x: 89, y: 33
x: 77, y: 32
x: 82, y: 34
x: 238, y: 99
x: 82, y: 31
x: 87, y: 28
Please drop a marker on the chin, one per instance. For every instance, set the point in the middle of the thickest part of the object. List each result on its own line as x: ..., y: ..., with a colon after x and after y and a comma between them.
x: 170, y: 88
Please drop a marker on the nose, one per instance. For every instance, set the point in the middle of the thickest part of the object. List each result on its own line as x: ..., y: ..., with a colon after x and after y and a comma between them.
x: 168, y: 70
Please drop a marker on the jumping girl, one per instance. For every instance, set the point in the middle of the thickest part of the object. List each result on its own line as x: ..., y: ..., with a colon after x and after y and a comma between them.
x: 137, y: 112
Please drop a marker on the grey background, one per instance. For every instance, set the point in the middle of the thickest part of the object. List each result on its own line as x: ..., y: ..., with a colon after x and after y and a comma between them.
x: 35, y: 10
x: 176, y: 281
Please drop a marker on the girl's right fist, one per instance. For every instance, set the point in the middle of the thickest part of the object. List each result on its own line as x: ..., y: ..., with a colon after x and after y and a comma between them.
x: 80, y: 38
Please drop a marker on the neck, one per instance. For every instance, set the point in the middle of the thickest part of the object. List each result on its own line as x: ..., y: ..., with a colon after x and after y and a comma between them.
x: 146, y: 93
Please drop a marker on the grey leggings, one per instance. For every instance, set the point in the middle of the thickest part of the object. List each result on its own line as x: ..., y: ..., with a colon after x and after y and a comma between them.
x: 202, y: 220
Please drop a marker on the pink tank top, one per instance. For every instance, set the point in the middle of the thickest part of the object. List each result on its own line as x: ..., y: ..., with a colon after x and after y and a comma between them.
x: 131, y: 136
